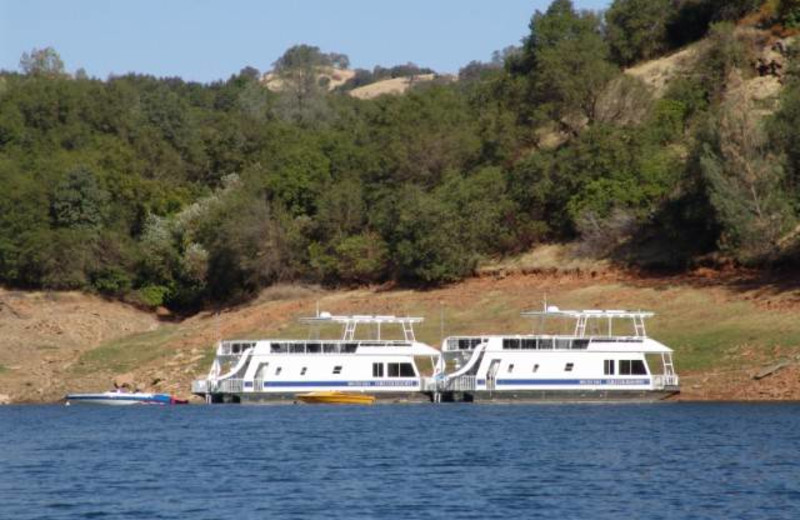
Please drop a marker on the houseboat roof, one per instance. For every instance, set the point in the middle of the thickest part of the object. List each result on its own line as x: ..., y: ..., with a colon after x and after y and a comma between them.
x: 326, y: 317
x: 588, y: 313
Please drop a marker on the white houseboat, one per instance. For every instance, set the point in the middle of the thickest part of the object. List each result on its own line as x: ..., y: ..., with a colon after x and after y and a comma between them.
x: 590, y: 362
x: 280, y: 369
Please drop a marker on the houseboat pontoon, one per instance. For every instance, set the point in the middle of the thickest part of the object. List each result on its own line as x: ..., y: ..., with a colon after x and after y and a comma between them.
x: 280, y: 369
x: 590, y: 363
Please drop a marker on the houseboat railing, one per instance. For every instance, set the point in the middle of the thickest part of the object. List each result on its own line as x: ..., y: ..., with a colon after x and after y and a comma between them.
x: 455, y: 384
x: 200, y: 386
x: 662, y: 381
x: 469, y: 343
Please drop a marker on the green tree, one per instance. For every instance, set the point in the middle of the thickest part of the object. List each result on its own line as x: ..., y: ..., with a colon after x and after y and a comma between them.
x: 303, y: 95
x: 566, y: 60
x: 42, y: 62
x: 745, y: 181
x: 789, y: 12
x: 79, y: 201
x: 637, y: 29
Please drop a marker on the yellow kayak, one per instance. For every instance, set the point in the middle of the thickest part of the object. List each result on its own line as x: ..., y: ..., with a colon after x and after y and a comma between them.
x: 332, y: 397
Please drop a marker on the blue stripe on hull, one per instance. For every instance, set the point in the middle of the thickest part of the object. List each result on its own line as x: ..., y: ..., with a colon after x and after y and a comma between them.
x: 339, y: 384
x: 573, y: 382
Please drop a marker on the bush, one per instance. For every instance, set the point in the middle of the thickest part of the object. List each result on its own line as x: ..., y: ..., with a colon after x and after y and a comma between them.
x: 637, y: 29
x: 789, y: 13
x: 152, y: 295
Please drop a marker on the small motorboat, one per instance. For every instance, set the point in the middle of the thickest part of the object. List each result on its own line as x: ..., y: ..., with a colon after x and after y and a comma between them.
x: 333, y: 397
x: 119, y: 398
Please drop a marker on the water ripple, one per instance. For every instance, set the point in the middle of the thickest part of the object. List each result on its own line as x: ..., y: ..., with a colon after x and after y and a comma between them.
x: 465, y: 461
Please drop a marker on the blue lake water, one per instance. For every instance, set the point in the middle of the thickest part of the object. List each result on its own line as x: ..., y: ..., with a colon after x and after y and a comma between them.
x: 670, y: 460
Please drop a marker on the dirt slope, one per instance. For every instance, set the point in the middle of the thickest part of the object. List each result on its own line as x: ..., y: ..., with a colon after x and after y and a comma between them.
x: 725, y: 328
x: 43, y: 334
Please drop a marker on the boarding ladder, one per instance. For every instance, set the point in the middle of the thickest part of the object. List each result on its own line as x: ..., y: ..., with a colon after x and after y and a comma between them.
x: 638, y: 325
x: 349, y: 330
x: 408, y: 331
x: 669, y: 368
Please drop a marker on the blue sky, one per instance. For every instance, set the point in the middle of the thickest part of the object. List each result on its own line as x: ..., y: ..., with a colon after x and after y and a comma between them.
x: 204, y: 40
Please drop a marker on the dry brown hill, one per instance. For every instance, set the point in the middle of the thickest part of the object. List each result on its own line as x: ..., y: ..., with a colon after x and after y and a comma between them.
x: 725, y: 327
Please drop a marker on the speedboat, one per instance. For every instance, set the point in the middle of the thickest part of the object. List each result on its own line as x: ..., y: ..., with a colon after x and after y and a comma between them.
x: 118, y: 398
x: 332, y: 397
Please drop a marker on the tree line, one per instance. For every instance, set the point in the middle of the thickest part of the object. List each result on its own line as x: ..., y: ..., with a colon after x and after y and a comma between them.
x: 167, y: 192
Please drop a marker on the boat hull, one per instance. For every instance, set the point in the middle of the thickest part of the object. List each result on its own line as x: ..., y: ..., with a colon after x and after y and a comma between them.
x: 120, y: 399
x: 335, y: 398
x: 559, y: 396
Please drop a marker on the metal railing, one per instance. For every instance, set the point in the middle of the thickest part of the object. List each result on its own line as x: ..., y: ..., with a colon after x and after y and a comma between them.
x: 200, y: 386
x: 663, y: 381
x: 230, y: 386
x: 455, y: 384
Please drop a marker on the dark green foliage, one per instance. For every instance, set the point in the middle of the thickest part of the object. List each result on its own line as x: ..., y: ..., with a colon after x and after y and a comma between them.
x: 693, y: 18
x: 565, y: 61
x: 78, y: 201
x: 783, y: 133
x: 166, y: 192
x: 637, y: 29
x: 789, y: 13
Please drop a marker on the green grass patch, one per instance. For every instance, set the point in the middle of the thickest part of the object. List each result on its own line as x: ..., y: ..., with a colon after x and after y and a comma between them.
x: 125, y: 354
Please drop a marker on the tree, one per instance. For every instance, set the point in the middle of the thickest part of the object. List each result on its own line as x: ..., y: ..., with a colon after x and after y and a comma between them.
x: 79, y: 201
x: 789, y: 12
x: 42, y: 62
x: 566, y: 60
x: 303, y: 99
x: 745, y: 180
x: 637, y: 29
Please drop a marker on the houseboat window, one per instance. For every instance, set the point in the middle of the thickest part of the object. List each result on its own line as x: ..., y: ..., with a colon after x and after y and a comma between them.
x: 468, y: 343
x: 337, y: 370
x: 546, y: 344
x: 349, y: 348
x: 303, y: 371
x: 509, y: 343
x: 535, y: 368
x: 608, y: 367
x: 568, y: 367
x: 511, y: 368
x: 278, y: 371
x: 297, y: 348
x: 580, y: 344
x: 563, y: 344
x: 277, y: 348
x: 400, y: 370
x: 377, y: 370
x: 329, y: 348
x: 313, y: 348
x: 634, y: 367
x: 529, y: 344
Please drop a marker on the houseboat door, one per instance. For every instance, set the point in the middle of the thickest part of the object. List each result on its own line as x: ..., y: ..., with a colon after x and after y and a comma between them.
x: 491, y: 374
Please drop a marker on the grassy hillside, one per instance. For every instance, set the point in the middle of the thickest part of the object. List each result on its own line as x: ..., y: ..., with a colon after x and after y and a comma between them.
x: 724, y: 329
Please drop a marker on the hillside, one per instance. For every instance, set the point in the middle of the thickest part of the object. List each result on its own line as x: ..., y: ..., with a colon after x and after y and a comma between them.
x: 392, y: 86
x: 724, y: 327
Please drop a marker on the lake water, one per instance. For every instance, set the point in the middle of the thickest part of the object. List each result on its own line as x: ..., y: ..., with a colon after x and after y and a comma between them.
x: 669, y: 460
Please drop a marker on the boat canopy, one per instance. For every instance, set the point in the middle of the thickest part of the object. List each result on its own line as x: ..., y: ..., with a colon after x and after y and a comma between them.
x: 582, y: 318
x: 351, y: 322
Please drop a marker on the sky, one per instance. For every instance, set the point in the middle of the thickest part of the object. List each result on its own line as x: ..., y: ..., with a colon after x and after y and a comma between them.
x: 204, y: 40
